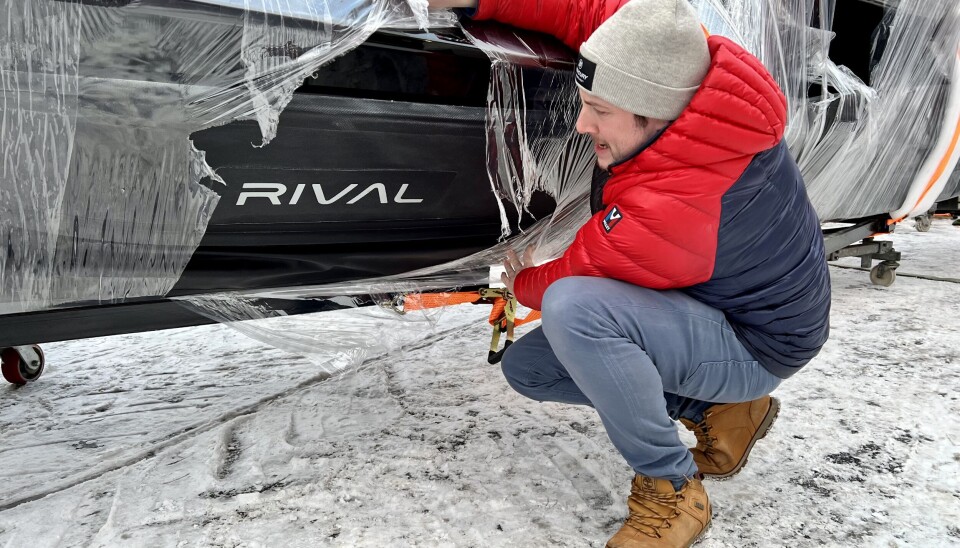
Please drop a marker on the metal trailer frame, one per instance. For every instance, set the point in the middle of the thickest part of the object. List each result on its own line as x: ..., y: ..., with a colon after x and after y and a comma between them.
x: 950, y: 207
x: 842, y: 242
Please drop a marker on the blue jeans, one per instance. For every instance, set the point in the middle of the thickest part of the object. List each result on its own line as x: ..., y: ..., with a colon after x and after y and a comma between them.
x: 641, y: 358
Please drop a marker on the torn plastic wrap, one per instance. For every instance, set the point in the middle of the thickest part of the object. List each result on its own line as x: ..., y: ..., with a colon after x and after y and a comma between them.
x: 863, y: 150
x: 859, y: 153
x: 530, y: 151
x: 100, y: 195
x: 532, y: 148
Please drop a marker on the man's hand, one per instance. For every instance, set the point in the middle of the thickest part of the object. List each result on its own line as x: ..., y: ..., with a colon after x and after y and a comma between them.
x: 446, y: 4
x: 514, y: 265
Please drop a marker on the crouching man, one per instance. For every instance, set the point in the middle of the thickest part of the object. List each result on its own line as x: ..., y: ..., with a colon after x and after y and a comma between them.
x: 700, y: 282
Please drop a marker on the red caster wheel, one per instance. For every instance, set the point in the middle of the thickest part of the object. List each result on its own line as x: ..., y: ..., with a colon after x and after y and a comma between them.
x: 22, y: 364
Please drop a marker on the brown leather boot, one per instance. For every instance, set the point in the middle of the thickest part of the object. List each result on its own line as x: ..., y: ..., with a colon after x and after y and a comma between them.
x: 728, y: 432
x: 663, y: 517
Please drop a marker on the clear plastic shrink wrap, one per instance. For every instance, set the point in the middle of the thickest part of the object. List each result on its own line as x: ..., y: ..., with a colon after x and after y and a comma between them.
x: 98, y: 152
x: 528, y: 151
x: 860, y: 148
x: 99, y: 195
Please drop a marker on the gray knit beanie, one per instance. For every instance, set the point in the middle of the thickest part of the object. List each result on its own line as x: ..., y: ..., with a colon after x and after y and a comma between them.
x: 649, y: 58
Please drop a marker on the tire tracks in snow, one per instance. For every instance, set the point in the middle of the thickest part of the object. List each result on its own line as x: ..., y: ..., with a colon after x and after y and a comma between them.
x: 590, y: 489
x: 189, y: 432
x: 230, y: 448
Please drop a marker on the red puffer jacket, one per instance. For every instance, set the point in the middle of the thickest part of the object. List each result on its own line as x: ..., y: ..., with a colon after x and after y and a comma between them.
x: 659, y: 228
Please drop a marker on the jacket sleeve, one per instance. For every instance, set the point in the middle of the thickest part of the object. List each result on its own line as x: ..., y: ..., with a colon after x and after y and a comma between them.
x: 652, y: 245
x: 572, y: 21
x: 532, y: 283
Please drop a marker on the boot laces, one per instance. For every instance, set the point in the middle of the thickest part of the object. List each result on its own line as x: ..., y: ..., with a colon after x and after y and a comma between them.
x: 653, y: 511
x: 702, y: 431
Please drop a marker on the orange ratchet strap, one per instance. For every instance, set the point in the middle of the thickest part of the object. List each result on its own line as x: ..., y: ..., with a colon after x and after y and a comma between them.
x: 503, y: 316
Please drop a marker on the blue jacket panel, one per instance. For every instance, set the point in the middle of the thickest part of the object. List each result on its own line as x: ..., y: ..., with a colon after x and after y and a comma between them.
x: 771, y: 277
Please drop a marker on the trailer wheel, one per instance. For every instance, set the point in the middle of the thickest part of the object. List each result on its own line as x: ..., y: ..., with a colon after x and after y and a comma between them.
x: 22, y: 364
x: 923, y: 223
x: 883, y: 275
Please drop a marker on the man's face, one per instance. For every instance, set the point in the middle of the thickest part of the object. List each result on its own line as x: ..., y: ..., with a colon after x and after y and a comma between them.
x: 616, y: 133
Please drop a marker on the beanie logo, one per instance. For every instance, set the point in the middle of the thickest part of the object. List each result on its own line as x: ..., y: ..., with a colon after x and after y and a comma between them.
x: 584, y: 73
x: 612, y: 219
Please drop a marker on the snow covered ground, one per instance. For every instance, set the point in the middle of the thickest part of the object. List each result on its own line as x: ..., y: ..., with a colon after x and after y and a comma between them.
x: 203, y: 437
